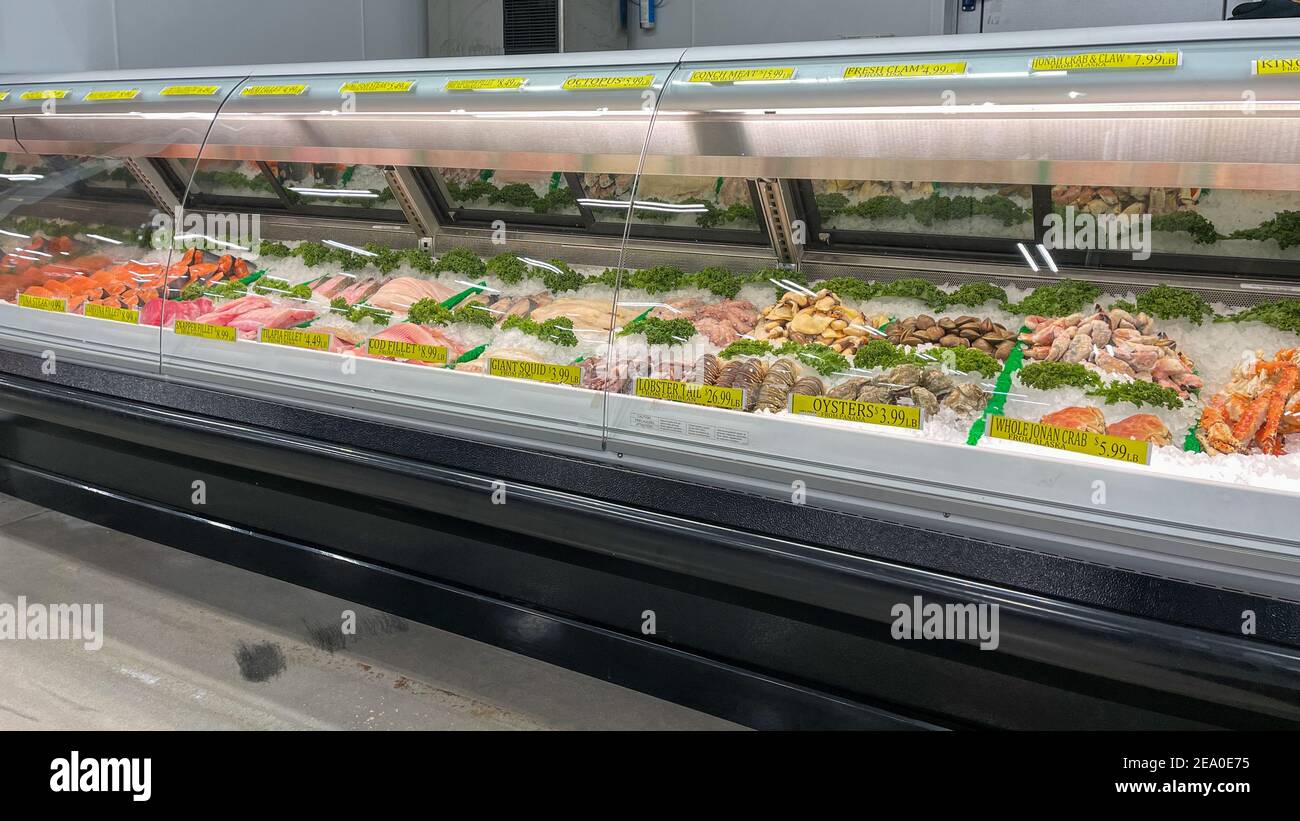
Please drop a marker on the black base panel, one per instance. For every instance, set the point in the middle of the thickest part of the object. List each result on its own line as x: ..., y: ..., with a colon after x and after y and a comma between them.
x: 1060, y: 666
x: 723, y: 690
x: 1162, y: 599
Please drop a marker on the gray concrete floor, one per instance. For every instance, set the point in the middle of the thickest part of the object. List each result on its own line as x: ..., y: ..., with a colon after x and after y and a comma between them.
x: 174, y: 626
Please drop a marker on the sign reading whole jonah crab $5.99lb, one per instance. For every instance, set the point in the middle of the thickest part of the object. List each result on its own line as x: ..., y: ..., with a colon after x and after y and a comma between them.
x: 1118, y: 448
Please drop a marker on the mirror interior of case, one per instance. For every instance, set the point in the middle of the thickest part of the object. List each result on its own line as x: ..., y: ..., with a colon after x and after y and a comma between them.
x: 76, y: 238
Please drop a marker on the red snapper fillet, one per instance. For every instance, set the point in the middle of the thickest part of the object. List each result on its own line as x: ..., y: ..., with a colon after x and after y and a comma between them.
x: 224, y: 314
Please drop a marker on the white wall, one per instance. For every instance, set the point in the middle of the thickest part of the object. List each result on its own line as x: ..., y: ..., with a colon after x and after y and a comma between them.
x: 81, y: 35
x: 1023, y: 15
x: 729, y: 22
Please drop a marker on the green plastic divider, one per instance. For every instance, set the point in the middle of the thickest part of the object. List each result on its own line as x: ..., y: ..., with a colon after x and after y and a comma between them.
x: 1190, y: 443
x: 253, y: 277
x: 998, y: 402
x: 468, y: 356
x: 453, y: 301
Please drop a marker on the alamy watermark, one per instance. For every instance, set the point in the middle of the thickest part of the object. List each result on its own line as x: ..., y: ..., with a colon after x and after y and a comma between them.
x: 921, y: 620
x: 1085, y: 231
x: 216, y: 232
x: 22, y: 621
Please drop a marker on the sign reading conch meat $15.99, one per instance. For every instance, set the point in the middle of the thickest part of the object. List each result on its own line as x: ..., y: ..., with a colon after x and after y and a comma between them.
x: 741, y: 75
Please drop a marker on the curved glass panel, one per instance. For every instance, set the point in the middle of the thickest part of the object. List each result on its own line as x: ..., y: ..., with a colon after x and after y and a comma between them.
x: 503, y: 328
x: 83, y: 222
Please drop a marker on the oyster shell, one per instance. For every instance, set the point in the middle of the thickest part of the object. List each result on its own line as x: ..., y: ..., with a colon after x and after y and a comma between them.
x: 966, y: 398
x: 875, y: 393
x: 904, y: 376
x: 847, y: 389
x: 937, y: 382
x: 925, y: 400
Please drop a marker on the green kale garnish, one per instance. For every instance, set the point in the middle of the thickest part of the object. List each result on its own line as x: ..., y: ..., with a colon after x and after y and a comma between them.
x: 558, y: 330
x: 746, y: 347
x: 975, y: 294
x: 461, y: 261
x: 660, y: 331
x: 508, y: 268
x: 1048, y: 375
x: 1166, y: 302
x: 1138, y: 393
x: 1061, y: 299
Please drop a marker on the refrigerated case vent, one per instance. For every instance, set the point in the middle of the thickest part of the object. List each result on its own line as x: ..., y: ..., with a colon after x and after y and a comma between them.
x: 531, y: 26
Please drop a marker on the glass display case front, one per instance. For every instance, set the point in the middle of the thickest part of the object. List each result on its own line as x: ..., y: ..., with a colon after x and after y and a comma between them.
x: 820, y: 290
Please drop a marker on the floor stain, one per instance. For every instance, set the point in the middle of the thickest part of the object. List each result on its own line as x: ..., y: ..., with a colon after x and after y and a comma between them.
x: 259, y: 662
x: 325, y: 636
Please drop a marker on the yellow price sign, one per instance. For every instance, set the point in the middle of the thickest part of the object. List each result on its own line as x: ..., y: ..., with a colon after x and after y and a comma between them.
x: 43, y: 303
x: 46, y: 94
x: 851, y: 410
x: 1119, y: 448
x: 289, y: 90
x: 114, y: 314
x: 113, y: 94
x: 377, y: 87
x: 1108, y: 60
x: 4, y: 95
x: 535, y: 371
x: 296, y: 339
x: 432, y: 354
x: 486, y: 84
x: 740, y: 75
x: 1277, y: 65
x: 221, y: 333
x: 189, y: 91
x: 904, y: 70
x: 692, y: 394
x: 608, y: 83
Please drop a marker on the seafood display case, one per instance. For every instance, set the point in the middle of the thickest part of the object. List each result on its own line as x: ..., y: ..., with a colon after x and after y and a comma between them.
x: 1031, y: 296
